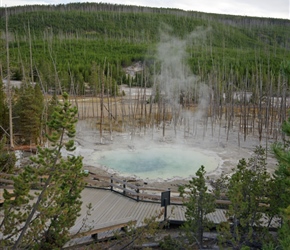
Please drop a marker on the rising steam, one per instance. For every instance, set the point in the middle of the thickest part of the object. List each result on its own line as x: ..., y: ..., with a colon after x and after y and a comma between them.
x: 177, y: 84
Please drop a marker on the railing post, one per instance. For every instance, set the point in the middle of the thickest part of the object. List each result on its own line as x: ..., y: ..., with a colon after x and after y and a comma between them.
x: 111, y: 182
x: 137, y: 193
x: 165, y: 201
x: 124, y: 186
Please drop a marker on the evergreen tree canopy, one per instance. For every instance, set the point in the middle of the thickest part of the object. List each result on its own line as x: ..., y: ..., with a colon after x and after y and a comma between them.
x: 248, y: 190
x: 199, y: 202
x: 29, y: 110
x: 3, y: 112
x: 41, y: 219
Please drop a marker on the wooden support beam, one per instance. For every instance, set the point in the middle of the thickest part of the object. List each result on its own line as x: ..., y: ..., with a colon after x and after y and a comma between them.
x: 108, y: 226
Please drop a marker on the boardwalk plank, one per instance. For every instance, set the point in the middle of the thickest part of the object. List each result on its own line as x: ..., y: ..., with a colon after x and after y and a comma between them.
x: 112, y: 209
x: 109, y: 206
x: 136, y: 213
x: 148, y: 211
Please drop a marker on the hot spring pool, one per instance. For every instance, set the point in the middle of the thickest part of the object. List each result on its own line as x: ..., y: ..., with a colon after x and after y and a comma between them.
x: 154, y: 163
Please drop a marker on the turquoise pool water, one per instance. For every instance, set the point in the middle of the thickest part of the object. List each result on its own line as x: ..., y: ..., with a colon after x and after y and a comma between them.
x: 154, y: 163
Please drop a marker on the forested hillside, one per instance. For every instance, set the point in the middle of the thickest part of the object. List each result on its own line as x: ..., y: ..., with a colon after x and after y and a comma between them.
x: 83, y: 48
x: 66, y: 41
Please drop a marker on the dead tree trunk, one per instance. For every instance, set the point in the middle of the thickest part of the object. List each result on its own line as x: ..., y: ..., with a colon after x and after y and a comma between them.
x: 9, y: 84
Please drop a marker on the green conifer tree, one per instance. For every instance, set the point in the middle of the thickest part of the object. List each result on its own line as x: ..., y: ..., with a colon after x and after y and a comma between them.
x: 94, y: 79
x: 7, y: 158
x: 199, y: 202
x: 248, y: 191
x: 44, y: 221
x: 282, y: 185
x: 29, y: 110
x: 4, y: 112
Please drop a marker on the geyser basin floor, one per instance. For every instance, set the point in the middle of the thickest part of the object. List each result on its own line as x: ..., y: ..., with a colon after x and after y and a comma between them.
x: 158, y: 162
x: 225, y: 149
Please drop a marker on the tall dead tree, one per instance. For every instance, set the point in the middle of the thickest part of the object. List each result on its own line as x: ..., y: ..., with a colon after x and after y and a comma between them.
x: 30, y: 55
x: 9, y: 87
x: 102, y: 105
x: 260, y: 112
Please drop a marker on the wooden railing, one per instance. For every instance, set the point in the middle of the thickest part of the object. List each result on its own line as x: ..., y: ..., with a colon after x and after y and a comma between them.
x: 126, y: 188
x: 138, y: 193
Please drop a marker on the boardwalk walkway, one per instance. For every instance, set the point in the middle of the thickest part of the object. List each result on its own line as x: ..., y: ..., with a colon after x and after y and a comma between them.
x: 115, y: 202
x: 108, y: 206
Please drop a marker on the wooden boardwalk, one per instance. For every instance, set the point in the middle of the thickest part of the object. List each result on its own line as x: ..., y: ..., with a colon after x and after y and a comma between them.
x: 115, y: 202
x: 108, y: 206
